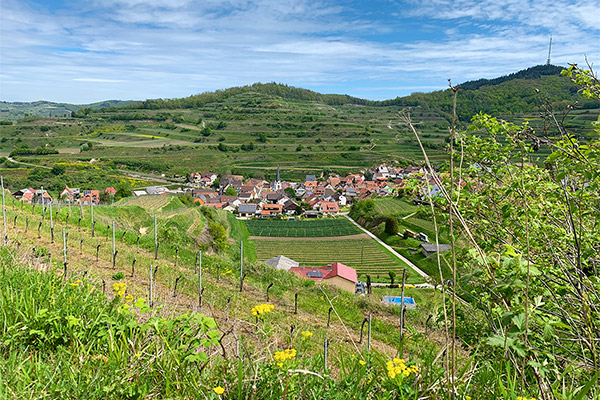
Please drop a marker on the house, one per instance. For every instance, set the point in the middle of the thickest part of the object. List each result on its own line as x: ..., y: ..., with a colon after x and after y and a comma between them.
x: 137, y: 193
x: 89, y: 196
x: 289, y: 207
x: 282, y: 262
x: 269, y: 210
x: 329, y: 208
x: 110, y: 191
x: 247, y: 210
x: 431, y: 248
x: 335, y: 274
x: 30, y: 195
x: 70, y: 193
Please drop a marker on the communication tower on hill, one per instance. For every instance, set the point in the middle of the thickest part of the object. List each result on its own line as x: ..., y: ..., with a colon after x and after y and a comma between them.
x: 549, y: 51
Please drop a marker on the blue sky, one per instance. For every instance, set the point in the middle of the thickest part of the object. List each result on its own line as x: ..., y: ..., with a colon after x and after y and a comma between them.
x: 86, y: 51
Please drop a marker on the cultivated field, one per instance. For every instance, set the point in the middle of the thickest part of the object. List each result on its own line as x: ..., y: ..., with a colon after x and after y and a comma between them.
x: 394, y: 206
x: 302, y: 228
x: 362, y: 254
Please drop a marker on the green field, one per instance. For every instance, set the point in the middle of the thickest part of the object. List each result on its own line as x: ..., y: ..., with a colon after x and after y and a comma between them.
x: 364, y: 255
x: 302, y: 228
x: 395, y: 206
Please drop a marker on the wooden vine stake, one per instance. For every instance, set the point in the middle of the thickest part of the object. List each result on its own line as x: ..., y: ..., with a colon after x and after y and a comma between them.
x: 133, y: 267
x: 114, y: 246
x: 296, y: 303
x: 269, y: 287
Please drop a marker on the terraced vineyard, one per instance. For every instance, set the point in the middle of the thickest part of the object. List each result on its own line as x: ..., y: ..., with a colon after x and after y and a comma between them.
x: 362, y: 254
x: 302, y: 228
x: 151, y: 203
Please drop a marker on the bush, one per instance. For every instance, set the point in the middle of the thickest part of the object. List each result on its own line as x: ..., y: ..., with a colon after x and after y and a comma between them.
x: 391, y: 225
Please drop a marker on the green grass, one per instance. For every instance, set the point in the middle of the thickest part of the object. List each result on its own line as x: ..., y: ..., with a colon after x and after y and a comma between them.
x: 395, y: 206
x: 302, y: 228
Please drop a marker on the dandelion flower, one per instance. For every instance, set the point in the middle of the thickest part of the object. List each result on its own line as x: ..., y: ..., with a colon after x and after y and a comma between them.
x: 362, y: 362
x: 219, y: 390
x: 306, y: 334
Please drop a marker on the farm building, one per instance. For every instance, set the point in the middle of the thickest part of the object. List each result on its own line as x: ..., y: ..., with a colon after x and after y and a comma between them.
x: 282, y: 262
x: 431, y: 248
x: 335, y: 274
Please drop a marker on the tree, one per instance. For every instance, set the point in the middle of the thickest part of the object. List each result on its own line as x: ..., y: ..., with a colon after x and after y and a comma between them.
x: 391, y: 225
x: 58, y: 169
x: 290, y: 192
x: 230, y: 191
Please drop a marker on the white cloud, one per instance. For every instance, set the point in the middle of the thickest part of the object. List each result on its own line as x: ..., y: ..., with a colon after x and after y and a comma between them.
x: 167, y: 48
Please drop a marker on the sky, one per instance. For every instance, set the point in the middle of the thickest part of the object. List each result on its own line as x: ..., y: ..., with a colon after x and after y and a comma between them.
x: 87, y: 51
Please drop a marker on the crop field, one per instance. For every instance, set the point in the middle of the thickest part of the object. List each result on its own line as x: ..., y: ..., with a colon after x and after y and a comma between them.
x: 394, y: 206
x: 151, y: 203
x: 303, y: 228
x: 364, y: 255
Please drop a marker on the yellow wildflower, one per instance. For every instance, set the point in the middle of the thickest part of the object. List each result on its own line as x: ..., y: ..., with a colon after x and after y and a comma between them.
x: 260, y: 310
x: 219, y: 390
x: 362, y: 362
x: 306, y: 334
x: 119, y: 288
x: 468, y: 397
x: 283, y: 356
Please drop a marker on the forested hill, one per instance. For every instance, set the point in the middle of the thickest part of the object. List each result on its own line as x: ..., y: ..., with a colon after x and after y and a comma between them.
x: 511, y: 94
x: 260, y: 89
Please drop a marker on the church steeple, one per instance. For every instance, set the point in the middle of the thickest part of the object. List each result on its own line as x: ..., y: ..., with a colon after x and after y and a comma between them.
x: 278, y: 180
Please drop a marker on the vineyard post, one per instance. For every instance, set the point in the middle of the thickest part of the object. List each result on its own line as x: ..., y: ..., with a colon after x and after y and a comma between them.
x: 402, y: 312
x: 43, y: 205
x: 155, y: 239
x: 296, y: 303
x: 325, y: 348
x: 369, y: 335
x: 51, y: 224
x: 3, y: 211
x: 65, y: 246
x: 200, y: 278
x: 269, y: 287
x: 92, y: 215
x: 329, y: 316
x: 241, y: 265
x: 151, y: 270
x: 133, y: 267
x: 113, y: 235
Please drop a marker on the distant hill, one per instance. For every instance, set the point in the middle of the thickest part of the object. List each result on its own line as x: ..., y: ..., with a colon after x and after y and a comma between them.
x: 516, y: 93
x: 511, y: 94
x: 18, y: 110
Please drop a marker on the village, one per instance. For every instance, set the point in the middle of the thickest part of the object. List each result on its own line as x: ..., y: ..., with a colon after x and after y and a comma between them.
x: 257, y: 198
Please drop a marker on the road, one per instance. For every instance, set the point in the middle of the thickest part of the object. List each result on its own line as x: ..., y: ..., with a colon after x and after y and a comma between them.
x: 24, y: 163
x: 390, y: 249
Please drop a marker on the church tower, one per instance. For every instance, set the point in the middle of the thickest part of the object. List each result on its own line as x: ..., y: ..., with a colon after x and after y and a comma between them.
x: 277, y: 181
